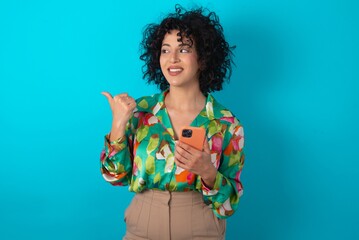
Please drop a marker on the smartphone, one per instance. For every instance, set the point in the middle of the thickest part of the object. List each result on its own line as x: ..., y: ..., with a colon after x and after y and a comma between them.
x: 193, y: 136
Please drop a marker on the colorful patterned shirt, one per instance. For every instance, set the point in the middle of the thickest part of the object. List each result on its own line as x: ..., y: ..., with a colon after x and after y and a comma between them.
x: 144, y: 157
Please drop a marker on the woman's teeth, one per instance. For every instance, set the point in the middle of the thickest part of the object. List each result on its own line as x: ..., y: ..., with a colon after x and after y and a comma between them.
x: 175, y: 70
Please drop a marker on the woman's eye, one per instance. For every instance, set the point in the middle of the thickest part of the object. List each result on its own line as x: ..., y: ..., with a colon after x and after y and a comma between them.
x: 164, y: 51
x: 184, y: 51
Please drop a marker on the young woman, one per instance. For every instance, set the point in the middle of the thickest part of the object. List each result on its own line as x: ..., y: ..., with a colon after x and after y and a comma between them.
x: 181, y: 192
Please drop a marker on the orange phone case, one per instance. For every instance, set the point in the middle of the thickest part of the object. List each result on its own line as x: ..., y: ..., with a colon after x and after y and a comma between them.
x: 197, y: 136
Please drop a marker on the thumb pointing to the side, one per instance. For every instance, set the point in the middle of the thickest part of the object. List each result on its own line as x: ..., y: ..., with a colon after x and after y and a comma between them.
x: 109, y: 97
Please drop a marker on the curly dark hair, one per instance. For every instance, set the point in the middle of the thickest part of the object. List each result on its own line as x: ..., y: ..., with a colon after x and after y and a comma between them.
x: 214, y: 53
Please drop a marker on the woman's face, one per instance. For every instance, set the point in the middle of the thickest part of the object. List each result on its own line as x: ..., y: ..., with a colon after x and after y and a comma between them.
x: 179, y: 61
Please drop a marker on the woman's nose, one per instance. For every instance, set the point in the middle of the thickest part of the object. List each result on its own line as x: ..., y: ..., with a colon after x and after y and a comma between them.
x: 174, y: 57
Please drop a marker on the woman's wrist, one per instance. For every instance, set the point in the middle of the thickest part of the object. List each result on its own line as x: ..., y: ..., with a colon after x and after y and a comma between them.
x: 117, y: 132
x: 209, y: 177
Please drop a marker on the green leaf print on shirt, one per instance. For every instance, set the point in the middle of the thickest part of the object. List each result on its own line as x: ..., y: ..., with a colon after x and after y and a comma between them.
x: 203, y: 114
x: 170, y: 130
x: 150, y: 165
x: 170, y: 159
x: 120, y: 168
x: 214, y: 127
x: 233, y: 158
x: 111, y: 166
x: 143, y: 104
x: 172, y: 185
x: 157, y: 178
x: 153, y: 143
x: 134, y: 184
x: 142, y: 133
x: 138, y: 162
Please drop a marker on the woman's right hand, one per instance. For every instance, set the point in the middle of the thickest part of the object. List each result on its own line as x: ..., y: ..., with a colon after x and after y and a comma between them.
x: 122, y: 107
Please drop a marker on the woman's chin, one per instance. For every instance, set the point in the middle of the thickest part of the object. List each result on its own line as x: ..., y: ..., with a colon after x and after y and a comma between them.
x: 174, y: 83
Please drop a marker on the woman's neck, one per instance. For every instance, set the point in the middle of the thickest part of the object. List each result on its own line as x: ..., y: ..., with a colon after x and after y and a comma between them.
x: 185, y: 99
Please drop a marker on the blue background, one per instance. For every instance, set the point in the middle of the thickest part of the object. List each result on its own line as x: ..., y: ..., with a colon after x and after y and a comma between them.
x: 294, y: 88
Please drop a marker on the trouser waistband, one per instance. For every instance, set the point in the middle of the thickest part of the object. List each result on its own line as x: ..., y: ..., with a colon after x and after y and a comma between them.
x: 158, y: 197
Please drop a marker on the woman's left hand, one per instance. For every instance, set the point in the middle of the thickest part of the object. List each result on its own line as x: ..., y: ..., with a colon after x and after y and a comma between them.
x: 196, y: 161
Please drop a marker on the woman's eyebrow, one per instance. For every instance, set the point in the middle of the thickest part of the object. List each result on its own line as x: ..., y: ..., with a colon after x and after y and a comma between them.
x: 185, y: 45
x: 180, y: 45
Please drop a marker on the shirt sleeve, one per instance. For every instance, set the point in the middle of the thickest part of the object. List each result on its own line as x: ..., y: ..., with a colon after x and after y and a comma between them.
x: 116, y: 157
x: 227, y: 189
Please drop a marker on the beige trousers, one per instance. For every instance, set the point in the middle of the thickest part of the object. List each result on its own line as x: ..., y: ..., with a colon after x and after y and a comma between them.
x: 163, y: 215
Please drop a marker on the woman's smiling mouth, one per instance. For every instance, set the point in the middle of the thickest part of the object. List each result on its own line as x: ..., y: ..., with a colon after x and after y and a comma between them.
x: 174, y: 71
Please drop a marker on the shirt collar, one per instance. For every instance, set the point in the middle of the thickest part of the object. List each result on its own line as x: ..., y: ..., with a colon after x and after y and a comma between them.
x: 155, y: 105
